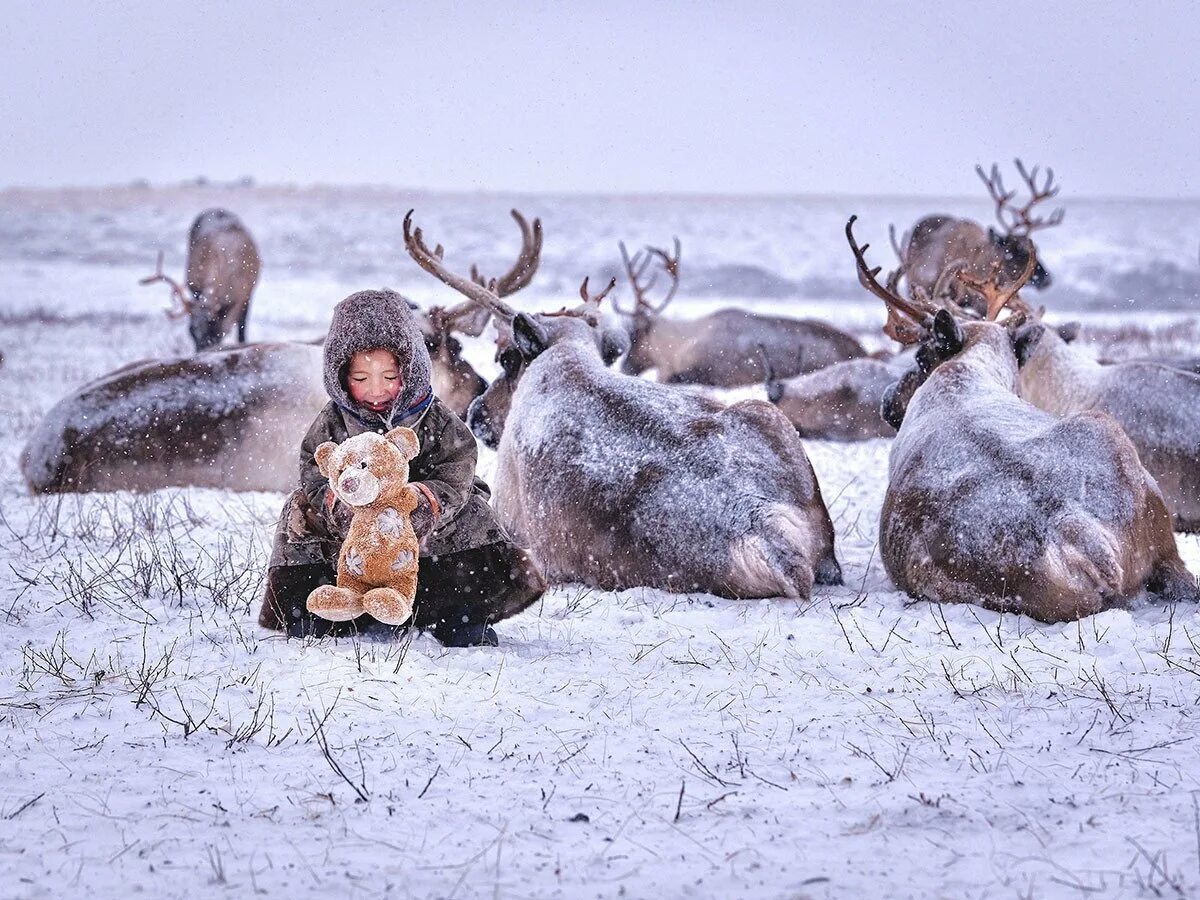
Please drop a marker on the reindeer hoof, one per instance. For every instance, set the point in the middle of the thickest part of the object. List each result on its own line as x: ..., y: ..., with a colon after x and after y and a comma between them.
x: 336, y: 604
x: 387, y: 605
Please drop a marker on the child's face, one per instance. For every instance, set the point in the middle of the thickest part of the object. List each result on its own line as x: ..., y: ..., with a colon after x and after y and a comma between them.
x: 374, y: 379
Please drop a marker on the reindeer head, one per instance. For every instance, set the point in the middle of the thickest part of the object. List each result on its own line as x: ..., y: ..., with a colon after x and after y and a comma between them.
x: 523, y: 336
x: 641, y: 317
x: 939, y: 333
x: 1014, y: 242
x: 531, y: 335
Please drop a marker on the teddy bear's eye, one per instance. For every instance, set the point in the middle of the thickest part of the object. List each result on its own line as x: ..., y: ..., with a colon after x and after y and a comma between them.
x: 363, y: 464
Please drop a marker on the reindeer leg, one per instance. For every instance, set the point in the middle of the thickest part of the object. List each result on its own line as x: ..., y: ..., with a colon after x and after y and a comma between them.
x: 242, y: 323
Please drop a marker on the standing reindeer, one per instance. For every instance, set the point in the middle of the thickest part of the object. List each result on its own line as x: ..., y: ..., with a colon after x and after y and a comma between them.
x: 993, y: 501
x: 455, y: 380
x: 618, y: 482
x: 722, y: 348
x: 940, y: 246
x: 222, y: 270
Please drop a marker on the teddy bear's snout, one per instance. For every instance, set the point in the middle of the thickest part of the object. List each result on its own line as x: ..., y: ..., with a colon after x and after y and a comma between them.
x: 358, y: 487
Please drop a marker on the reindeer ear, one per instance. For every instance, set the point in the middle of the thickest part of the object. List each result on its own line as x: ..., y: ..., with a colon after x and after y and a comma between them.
x: 528, y: 336
x: 1068, y: 331
x: 1025, y: 339
x: 406, y: 440
x: 947, y: 335
x: 614, y: 343
x: 323, y: 452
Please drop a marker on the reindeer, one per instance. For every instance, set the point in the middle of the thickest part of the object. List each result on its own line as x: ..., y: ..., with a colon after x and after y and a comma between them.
x: 719, y: 349
x: 230, y: 418
x: 222, y: 270
x: 455, y: 380
x: 993, y: 501
x: 840, y: 402
x: 616, y: 482
x: 1154, y: 403
x: 940, y: 246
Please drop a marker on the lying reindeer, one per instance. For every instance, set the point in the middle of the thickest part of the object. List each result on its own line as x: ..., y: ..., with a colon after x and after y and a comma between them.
x: 455, y: 380
x: 617, y: 482
x: 993, y: 501
x: 721, y: 348
x: 1155, y: 404
x: 840, y: 402
x: 225, y: 419
x: 222, y: 270
x: 940, y: 246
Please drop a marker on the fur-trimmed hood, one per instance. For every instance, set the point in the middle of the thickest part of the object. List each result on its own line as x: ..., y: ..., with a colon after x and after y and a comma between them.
x: 366, y: 321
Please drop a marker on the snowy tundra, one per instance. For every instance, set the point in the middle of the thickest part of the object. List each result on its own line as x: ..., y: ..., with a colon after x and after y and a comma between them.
x: 153, y: 740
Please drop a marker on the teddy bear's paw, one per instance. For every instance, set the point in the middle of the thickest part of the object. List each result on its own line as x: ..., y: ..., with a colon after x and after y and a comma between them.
x: 387, y: 605
x: 335, y: 603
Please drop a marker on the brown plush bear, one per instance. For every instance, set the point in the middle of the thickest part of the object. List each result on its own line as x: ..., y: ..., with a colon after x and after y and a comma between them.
x: 377, y: 568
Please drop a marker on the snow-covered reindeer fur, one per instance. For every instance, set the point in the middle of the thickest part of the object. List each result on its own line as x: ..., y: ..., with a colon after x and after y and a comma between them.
x: 1156, y: 405
x: 993, y: 501
x: 939, y: 246
x: 722, y: 348
x: 840, y: 402
x: 222, y: 270
x: 616, y: 482
x: 224, y: 418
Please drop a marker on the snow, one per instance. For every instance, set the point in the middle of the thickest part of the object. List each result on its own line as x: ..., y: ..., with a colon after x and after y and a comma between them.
x: 154, y: 740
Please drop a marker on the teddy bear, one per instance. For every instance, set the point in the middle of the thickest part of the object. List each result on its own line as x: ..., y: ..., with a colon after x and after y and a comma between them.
x: 377, y: 568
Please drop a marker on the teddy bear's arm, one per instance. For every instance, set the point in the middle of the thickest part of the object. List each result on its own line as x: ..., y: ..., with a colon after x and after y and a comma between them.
x: 333, y: 515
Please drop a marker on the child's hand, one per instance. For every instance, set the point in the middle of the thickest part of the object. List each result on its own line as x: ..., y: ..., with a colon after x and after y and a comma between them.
x: 422, y: 517
x: 338, y: 515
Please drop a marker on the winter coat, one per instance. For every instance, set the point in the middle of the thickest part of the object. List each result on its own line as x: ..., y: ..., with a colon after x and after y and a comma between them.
x: 445, y: 466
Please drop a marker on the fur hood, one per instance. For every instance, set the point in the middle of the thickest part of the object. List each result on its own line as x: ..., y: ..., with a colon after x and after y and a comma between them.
x: 366, y: 321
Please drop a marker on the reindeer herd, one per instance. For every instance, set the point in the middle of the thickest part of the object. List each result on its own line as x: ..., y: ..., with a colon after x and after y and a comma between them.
x: 1024, y: 476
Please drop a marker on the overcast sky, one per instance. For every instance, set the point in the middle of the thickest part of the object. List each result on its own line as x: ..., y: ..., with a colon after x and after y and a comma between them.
x: 896, y: 98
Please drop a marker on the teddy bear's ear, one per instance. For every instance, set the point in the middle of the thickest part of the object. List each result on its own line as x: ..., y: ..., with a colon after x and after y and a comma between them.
x: 323, y: 453
x: 406, y: 440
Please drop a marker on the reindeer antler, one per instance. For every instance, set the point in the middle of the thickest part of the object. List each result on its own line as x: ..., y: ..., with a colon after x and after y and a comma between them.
x: 1020, y: 221
x: 431, y: 262
x: 468, y: 317
x: 177, y: 292
x: 635, y: 271
x: 996, y: 297
x: 908, y: 320
x: 525, y: 267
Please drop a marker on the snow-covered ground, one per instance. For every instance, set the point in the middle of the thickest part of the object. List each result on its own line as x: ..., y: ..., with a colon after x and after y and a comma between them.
x: 154, y: 740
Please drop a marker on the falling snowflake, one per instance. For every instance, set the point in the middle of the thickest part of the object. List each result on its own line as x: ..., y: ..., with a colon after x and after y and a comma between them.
x: 354, y: 561
x: 403, y: 561
x: 391, y: 523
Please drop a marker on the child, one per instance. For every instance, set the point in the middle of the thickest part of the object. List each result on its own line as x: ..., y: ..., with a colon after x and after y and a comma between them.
x: 377, y: 374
